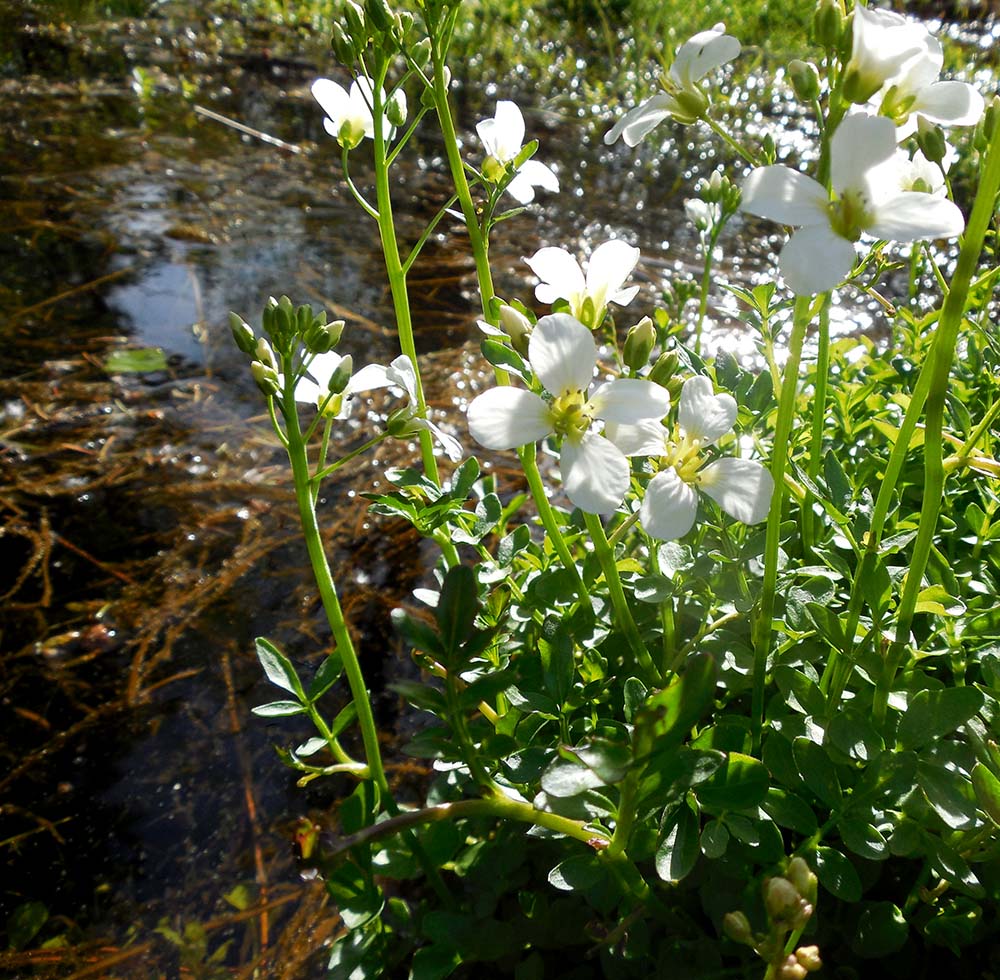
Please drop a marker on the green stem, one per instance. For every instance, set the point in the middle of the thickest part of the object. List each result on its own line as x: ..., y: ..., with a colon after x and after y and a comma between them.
x: 626, y: 815
x: 941, y: 356
x: 299, y: 460
x: 353, y: 454
x: 422, y: 240
x: 622, y: 612
x: 355, y: 193
x: 730, y: 142
x: 815, y: 463
x: 779, y: 462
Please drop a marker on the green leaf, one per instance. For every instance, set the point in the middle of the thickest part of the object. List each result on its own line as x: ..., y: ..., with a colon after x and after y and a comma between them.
x: 434, y: 962
x: 25, y: 922
x: 279, y: 709
x: 577, y: 873
x: 853, y: 733
x: 936, y: 599
x: 242, y: 896
x: 801, y: 692
x: 418, y: 634
x: 949, y: 792
x: 674, y: 557
x: 504, y: 357
x: 817, y: 770
x: 671, y: 713
x: 741, y: 783
x: 987, y: 788
x: 931, y: 714
x: 653, y: 589
x: 140, y: 360
x: 788, y: 810
x: 839, y: 484
x: 881, y: 931
x: 714, y: 839
x: 278, y: 668
x: 678, y: 853
x: 863, y: 839
x: 953, y: 868
x: 326, y: 676
x: 837, y: 875
x: 456, y: 609
x: 555, y: 651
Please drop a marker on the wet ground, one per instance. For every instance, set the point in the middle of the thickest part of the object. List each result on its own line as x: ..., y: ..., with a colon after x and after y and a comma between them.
x: 147, y: 531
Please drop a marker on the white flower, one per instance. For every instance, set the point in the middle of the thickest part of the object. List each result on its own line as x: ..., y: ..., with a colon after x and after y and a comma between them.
x: 867, y: 199
x: 702, y: 214
x: 349, y: 116
x: 914, y: 92
x: 315, y: 390
x: 503, y: 138
x: 562, y: 278
x: 683, y: 98
x: 882, y: 42
x: 562, y: 353
x: 741, y: 487
x: 404, y: 421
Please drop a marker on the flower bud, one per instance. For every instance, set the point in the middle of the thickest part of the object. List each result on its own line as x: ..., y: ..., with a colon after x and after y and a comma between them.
x: 805, y: 80
x: 808, y: 956
x: 264, y: 355
x: 379, y: 15
x: 420, y: 52
x: 343, y: 47
x: 664, y: 368
x: 242, y: 333
x: 265, y: 377
x: 737, y: 927
x: 768, y: 150
x: 930, y: 139
x: 402, y: 22
x: 321, y: 337
x: 340, y: 377
x: 802, y: 878
x: 639, y: 342
x: 828, y: 24
x: 517, y: 326
x: 781, y: 898
x: 357, y: 27
x: 792, y: 969
x: 395, y: 110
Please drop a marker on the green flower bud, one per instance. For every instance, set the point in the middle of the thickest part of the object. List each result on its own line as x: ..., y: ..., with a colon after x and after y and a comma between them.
x: 639, y: 342
x: 930, y: 139
x: 737, y: 927
x: 781, y: 898
x: 322, y: 336
x: 421, y: 52
x: 427, y: 96
x: 664, y: 369
x: 343, y: 47
x: 379, y: 15
x: 264, y: 355
x: 517, y: 326
x: 265, y: 377
x: 808, y: 956
x: 768, y: 149
x: 828, y: 24
x: 357, y: 26
x: 395, y: 110
x: 242, y: 333
x: 805, y: 80
x: 340, y: 377
x: 802, y: 878
x: 269, y: 317
x: 402, y: 22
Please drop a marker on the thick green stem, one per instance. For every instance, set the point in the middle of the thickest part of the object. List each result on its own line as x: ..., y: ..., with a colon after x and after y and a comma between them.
x: 779, y: 463
x: 815, y: 463
x: 941, y: 356
x: 622, y: 612
x: 626, y: 815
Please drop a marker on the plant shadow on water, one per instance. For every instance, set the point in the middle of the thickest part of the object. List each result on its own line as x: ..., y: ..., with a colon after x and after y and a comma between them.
x: 147, y: 523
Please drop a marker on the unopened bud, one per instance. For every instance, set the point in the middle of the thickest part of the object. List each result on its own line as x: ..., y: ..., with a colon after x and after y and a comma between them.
x: 737, y: 927
x: 805, y: 80
x: 321, y: 336
x: 343, y: 47
x: 265, y: 377
x: 781, y: 898
x: 808, y: 956
x: 402, y: 22
x: 792, y: 969
x: 379, y: 15
x: 420, y: 52
x: 828, y: 24
x: 264, y: 354
x: 357, y: 26
x: 517, y: 326
x: 639, y: 342
x: 341, y: 376
x: 930, y: 139
x: 395, y: 110
x: 242, y: 333
x: 768, y: 150
x: 802, y: 878
x: 664, y: 368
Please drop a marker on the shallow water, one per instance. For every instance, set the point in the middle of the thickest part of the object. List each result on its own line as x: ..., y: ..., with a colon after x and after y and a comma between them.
x: 147, y: 518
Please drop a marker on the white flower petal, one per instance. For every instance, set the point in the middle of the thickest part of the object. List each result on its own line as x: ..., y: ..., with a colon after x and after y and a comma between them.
x: 630, y: 400
x: 307, y: 391
x: 370, y: 377
x: 781, y: 194
x: 701, y: 54
x: 560, y: 273
x: 506, y: 417
x: 669, y: 508
x: 882, y: 42
x: 741, y: 487
x: 323, y: 366
x: 333, y: 99
x: 402, y: 374
x: 530, y: 175
x: 913, y: 216
x: 610, y: 265
x: 562, y: 353
x: 624, y: 296
x: 595, y: 473
x: 704, y: 415
x: 510, y: 129
x: 645, y: 438
x: 815, y: 259
x: 451, y: 446
x: 950, y: 104
x: 860, y: 143
x: 637, y: 123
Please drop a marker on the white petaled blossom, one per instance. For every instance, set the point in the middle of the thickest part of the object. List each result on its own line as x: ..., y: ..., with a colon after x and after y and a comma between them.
x: 400, y: 374
x: 868, y: 198
x: 562, y: 353
x: 349, y: 114
x: 914, y: 92
x: 682, y: 98
x: 741, y: 487
x: 702, y: 214
x: 588, y: 296
x: 503, y: 139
